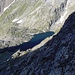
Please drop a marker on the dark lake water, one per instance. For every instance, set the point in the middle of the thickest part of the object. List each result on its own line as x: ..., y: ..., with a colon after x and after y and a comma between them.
x: 26, y: 45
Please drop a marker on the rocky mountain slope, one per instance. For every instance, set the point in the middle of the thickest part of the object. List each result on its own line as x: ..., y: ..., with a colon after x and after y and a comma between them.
x: 56, y: 57
x: 53, y: 56
x: 24, y: 18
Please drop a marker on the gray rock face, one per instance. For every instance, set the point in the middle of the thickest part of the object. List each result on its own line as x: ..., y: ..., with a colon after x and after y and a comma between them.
x: 56, y: 57
x: 3, y: 4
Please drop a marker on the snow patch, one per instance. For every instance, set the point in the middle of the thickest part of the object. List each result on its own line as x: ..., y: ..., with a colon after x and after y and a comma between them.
x: 62, y: 17
x: 15, y: 20
x: 8, y: 6
x: 20, y: 21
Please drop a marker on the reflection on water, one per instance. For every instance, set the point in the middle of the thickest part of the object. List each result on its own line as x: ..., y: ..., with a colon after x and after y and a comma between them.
x: 34, y: 41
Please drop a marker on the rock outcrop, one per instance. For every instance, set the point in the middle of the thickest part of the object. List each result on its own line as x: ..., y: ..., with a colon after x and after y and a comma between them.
x: 56, y: 57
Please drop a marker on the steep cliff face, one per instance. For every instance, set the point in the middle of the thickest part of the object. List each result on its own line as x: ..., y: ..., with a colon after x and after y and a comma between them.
x: 25, y: 18
x: 56, y: 57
